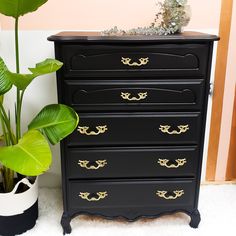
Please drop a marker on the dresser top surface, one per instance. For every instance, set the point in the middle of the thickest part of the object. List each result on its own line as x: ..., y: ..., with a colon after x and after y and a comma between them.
x: 80, y: 37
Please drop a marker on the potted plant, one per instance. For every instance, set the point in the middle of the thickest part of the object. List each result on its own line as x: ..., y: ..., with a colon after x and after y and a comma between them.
x: 25, y: 156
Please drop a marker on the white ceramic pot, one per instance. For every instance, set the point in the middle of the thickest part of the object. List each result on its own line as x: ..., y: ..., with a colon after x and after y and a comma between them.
x: 17, y: 203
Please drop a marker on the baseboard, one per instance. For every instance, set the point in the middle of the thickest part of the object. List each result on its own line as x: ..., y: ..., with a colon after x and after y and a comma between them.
x: 218, y: 182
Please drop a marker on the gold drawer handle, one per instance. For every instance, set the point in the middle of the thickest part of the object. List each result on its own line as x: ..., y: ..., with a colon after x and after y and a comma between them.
x: 177, y: 194
x: 85, y: 164
x: 100, y: 130
x: 127, y: 61
x: 126, y: 96
x: 182, y: 129
x: 164, y: 162
x: 86, y: 196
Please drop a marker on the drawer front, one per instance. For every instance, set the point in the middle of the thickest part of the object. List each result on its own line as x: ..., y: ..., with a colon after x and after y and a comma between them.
x: 92, y: 194
x: 131, y: 95
x: 160, y: 59
x: 136, y: 128
x: 132, y: 162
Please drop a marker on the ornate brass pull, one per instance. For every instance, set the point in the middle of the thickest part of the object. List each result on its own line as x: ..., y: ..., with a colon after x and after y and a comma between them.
x: 126, y: 96
x: 182, y: 129
x: 164, y: 162
x: 100, y: 130
x: 86, y: 196
x: 85, y: 164
x: 163, y: 194
x: 127, y: 61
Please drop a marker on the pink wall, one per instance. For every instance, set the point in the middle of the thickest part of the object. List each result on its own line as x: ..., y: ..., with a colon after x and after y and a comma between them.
x: 102, y: 14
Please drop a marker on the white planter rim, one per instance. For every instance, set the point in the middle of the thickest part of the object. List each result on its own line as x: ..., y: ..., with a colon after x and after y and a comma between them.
x: 17, y: 203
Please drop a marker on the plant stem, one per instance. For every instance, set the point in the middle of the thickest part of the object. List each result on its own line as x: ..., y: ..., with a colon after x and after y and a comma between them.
x: 8, y: 179
x: 5, y: 134
x: 5, y: 119
x: 17, y: 46
x: 7, y: 174
x: 18, y: 95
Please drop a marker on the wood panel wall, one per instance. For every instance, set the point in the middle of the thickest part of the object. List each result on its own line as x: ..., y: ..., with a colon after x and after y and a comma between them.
x: 231, y: 165
x: 219, y: 84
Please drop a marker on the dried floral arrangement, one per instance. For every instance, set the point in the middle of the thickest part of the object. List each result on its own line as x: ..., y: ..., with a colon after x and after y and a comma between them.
x: 172, y: 16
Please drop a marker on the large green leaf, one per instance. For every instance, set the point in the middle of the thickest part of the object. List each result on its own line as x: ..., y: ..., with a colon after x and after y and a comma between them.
x: 56, y: 121
x: 31, y: 156
x: 46, y: 67
x: 21, y: 81
x: 16, y: 8
x: 5, y: 82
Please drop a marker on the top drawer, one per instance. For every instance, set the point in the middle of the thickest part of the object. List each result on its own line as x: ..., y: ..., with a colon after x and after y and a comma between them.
x: 134, y: 60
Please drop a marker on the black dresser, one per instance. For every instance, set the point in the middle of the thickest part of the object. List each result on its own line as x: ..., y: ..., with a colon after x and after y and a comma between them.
x: 142, y: 102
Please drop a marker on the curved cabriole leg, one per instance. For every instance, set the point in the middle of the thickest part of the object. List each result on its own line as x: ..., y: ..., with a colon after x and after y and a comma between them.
x: 65, y: 223
x: 195, y: 219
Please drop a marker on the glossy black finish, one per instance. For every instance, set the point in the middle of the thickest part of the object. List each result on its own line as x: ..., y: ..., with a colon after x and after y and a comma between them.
x: 175, y: 79
x: 131, y: 194
x: 163, y: 59
x: 18, y: 224
x: 97, y: 37
x: 94, y: 95
x: 195, y: 219
x: 129, y: 162
x: 137, y: 129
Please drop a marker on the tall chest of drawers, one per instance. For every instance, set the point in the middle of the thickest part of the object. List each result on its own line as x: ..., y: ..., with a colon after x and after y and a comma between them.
x: 142, y: 102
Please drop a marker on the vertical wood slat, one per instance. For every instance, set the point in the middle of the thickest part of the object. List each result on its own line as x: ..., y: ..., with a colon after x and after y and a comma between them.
x: 231, y: 164
x: 220, y: 73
